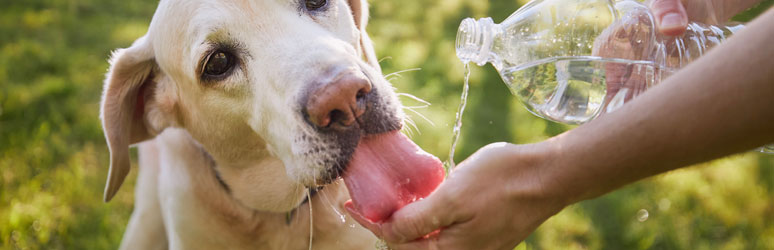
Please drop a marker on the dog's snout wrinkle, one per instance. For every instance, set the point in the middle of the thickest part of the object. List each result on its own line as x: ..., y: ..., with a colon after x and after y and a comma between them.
x: 339, y: 102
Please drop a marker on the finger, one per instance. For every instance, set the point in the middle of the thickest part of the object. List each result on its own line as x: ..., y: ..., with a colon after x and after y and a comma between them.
x: 419, y: 218
x: 430, y: 242
x: 417, y: 244
x: 670, y: 15
x: 433, y: 241
x: 368, y: 224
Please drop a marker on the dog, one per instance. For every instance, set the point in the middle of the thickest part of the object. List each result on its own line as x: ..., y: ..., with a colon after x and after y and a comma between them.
x: 239, y: 108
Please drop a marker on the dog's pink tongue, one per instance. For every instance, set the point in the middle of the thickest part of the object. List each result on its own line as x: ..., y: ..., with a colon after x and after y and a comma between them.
x: 389, y: 171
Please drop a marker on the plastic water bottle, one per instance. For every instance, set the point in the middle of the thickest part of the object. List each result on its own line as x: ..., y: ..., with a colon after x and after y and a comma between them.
x: 570, y: 61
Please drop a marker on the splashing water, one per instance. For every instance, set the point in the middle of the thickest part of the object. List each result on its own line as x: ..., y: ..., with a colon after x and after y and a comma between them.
x: 642, y: 215
x: 324, y: 198
x: 449, y: 164
x: 340, y: 215
x: 381, y: 245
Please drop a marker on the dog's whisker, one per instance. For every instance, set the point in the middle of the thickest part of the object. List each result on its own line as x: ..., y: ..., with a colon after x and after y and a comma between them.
x: 324, y: 199
x: 408, y: 129
x: 408, y: 132
x: 391, y: 78
x: 416, y: 107
x: 290, y: 217
x: 397, y: 73
x: 385, y: 58
x: 414, y: 98
x: 412, y: 127
x: 311, y: 219
x: 421, y: 115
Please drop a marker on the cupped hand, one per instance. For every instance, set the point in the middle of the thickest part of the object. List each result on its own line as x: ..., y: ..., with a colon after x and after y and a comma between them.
x: 493, y: 200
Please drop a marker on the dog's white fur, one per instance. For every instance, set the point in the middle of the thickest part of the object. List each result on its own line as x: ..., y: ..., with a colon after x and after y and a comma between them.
x: 246, y: 128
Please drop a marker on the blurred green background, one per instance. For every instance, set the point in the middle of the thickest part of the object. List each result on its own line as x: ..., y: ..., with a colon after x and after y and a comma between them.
x: 53, y: 158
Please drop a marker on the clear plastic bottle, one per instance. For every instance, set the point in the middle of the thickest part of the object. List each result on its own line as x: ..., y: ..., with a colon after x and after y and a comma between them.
x: 571, y: 60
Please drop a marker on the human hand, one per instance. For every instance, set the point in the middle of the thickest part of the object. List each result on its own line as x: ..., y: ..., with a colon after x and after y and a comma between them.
x: 672, y: 16
x: 493, y: 200
x: 631, y: 38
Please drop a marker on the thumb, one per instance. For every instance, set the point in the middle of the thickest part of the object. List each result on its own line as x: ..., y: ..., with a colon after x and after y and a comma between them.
x: 670, y: 15
x: 419, y: 219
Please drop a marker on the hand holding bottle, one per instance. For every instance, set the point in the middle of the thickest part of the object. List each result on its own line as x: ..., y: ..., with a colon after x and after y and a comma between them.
x: 686, y: 30
x: 656, y: 34
x: 554, y: 55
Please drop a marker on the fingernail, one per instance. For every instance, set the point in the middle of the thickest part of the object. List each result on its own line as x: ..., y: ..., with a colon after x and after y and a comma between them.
x: 672, y: 21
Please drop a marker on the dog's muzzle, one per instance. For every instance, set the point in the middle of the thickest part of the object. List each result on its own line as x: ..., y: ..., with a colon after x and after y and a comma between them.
x: 344, y: 107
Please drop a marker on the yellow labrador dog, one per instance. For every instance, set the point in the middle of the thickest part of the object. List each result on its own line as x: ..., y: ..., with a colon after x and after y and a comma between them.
x: 239, y: 108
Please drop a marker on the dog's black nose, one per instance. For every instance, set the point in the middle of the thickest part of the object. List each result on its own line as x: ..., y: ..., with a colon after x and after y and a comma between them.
x: 339, y: 102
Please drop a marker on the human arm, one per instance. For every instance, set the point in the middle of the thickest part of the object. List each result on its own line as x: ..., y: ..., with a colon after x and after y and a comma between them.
x: 721, y: 104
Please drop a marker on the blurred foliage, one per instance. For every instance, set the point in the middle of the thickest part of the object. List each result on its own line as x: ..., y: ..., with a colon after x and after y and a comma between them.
x: 53, y: 158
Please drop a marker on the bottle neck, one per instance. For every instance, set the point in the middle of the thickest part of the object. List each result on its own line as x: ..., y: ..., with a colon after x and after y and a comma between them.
x: 474, y: 40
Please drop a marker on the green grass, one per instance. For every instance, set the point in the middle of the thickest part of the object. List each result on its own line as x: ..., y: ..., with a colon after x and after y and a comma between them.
x: 53, y: 158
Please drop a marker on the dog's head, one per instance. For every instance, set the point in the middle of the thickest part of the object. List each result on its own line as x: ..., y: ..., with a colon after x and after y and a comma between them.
x: 255, y: 82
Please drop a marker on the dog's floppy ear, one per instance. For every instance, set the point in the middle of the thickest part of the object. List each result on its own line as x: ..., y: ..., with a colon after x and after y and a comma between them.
x: 360, y: 13
x: 125, y: 94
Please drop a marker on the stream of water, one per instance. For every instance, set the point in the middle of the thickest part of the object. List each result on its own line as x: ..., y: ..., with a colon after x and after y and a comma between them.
x: 449, y: 164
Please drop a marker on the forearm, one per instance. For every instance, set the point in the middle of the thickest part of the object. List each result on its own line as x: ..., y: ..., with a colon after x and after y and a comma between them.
x: 720, y: 104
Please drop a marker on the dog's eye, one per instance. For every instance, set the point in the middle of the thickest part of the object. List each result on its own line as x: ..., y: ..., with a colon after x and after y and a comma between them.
x: 218, y: 64
x: 315, y: 4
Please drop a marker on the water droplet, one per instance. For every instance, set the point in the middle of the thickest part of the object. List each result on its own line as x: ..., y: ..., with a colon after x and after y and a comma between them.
x: 642, y: 215
x: 664, y: 204
x: 381, y: 245
x: 341, y: 216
